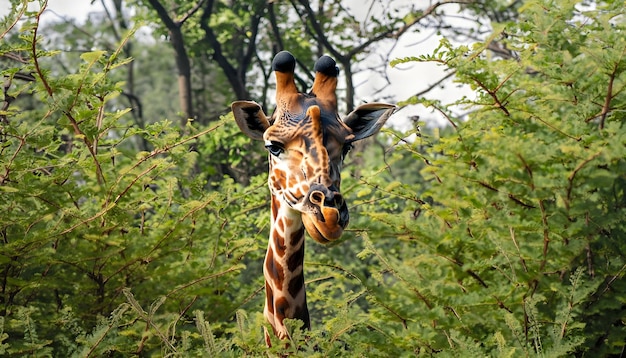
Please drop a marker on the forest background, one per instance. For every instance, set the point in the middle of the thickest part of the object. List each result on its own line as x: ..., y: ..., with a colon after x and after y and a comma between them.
x: 134, y: 215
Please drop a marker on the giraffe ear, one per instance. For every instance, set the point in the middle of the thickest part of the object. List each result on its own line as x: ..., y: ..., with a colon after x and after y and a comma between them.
x: 367, y: 119
x: 250, y: 118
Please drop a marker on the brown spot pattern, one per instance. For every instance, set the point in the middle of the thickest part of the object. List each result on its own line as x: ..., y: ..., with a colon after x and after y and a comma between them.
x: 279, y: 243
x: 274, y: 269
x: 281, y: 305
x: 275, y: 207
x: 296, y: 284
x: 297, y: 236
x: 296, y: 259
x: 301, y: 312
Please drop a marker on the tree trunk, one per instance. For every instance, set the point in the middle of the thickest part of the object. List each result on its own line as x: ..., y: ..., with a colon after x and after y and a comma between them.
x: 347, y: 69
x: 183, y: 66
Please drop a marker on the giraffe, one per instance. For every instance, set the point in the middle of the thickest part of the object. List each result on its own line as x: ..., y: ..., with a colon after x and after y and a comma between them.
x: 307, y: 142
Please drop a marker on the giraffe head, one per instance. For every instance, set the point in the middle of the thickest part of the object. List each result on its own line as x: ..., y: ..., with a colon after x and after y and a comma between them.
x: 307, y: 142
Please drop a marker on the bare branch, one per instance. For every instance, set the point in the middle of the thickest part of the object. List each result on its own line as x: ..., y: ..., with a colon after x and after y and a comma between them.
x: 393, y: 33
x: 111, y: 20
x: 255, y: 20
x: 435, y: 84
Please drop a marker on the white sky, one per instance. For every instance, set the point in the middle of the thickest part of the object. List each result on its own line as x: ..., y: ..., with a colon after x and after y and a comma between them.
x: 67, y: 8
x: 406, y: 79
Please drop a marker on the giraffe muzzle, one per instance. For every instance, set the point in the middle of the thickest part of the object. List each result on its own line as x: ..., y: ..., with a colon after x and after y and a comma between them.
x: 326, y: 215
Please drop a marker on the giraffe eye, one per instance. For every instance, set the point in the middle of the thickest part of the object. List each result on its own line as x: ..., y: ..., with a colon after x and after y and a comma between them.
x: 275, y: 148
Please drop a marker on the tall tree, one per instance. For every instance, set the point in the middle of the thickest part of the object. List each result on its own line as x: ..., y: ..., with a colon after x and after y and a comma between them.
x: 174, y: 24
x: 376, y: 28
x: 240, y: 43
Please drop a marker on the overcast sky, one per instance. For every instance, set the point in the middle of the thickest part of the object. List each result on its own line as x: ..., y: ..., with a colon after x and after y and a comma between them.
x: 406, y: 80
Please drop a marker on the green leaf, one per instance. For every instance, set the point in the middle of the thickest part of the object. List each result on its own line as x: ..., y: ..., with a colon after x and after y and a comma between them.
x: 92, y: 56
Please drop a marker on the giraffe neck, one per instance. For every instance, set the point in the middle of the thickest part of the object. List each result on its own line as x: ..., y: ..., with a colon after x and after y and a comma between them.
x: 283, y: 270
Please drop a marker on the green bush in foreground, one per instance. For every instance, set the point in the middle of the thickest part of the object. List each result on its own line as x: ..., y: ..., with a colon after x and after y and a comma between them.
x: 522, y: 247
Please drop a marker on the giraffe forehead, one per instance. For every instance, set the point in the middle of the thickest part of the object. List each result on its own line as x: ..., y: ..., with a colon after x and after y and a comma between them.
x: 291, y: 122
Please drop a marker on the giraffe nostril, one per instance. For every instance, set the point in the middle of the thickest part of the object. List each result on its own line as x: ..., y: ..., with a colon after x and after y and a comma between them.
x: 317, y: 198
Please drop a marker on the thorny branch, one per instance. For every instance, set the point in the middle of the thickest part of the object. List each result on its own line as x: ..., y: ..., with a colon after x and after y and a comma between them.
x: 570, y: 178
x: 606, y: 106
x: 493, y: 94
x: 546, y: 234
x: 519, y: 252
x: 509, y: 195
x: 108, y: 205
x: 67, y: 112
x: 369, y: 291
x: 609, y: 96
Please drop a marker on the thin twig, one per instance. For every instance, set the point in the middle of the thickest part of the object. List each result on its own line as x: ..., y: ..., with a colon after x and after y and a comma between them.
x: 16, y: 20
x: 609, y: 96
x: 570, y: 178
x: 546, y: 234
x: 519, y: 252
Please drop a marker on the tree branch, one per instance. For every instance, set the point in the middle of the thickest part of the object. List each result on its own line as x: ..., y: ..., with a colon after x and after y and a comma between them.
x: 229, y: 70
x: 50, y: 92
x: 279, y: 46
x: 396, y: 33
x: 570, y: 178
x: 15, y: 21
x: 609, y: 96
x: 190, y: 13
x: 435, y: 84
x: 163, y: 15
x: 255, y: 20
x: 318, y: 31
x: 546, y: 234
x: 509, y: 195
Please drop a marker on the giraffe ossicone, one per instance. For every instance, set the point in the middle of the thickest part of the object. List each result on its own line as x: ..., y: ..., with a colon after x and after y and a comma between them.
x: 307, y: 142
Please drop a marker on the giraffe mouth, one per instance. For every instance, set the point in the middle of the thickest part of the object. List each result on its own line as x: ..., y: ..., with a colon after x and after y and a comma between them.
x: 327, y: 215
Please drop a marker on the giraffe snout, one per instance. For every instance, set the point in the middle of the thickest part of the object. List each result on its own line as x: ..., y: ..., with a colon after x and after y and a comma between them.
x: 327, y: 215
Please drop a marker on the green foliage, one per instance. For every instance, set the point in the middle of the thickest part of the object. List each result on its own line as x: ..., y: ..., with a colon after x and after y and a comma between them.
x: 501, y: 235
x: 526, y: 221
x: 93, y: 230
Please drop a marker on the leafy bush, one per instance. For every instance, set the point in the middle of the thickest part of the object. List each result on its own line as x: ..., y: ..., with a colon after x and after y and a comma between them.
x: 94, y: 230
x: 522, y: 246
x: 502, y: 235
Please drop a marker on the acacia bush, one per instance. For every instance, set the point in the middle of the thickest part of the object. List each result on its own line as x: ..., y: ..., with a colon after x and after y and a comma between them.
x: 519, y: 245
x: 502, y: 235
x: 106, y: 248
